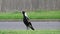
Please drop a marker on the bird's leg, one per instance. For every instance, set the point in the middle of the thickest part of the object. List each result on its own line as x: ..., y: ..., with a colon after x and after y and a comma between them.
x: 27, y: 28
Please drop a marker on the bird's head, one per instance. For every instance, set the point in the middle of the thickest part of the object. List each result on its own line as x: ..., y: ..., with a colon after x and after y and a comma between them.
x: 23, y: 12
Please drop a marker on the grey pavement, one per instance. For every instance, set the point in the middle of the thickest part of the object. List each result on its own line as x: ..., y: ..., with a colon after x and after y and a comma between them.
x: 36, y: 25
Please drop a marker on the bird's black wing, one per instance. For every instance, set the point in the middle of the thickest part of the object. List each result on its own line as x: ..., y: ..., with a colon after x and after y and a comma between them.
x: 27, y: 19
x: 30, y: 25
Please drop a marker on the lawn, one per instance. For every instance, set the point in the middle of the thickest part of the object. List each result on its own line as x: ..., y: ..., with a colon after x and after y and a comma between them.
x: 32, y: 15
x: 29, y: 32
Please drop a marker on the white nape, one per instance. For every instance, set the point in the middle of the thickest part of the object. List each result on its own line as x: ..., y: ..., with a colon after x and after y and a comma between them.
x: 26, y: 14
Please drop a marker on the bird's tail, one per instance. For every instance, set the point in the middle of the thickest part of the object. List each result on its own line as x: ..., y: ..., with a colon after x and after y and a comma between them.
x: 32, y: 28
x: 30, y: 25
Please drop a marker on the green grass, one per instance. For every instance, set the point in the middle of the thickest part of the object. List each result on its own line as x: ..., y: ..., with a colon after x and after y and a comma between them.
x: 29, y: 32
x: 32, y: 15
x: 45, y: 15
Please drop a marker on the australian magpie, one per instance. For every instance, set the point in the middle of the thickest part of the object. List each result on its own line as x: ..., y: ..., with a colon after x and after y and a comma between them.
x: 26, y: 20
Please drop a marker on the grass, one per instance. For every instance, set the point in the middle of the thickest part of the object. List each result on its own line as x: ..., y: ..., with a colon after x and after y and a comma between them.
x: 32, y: 15
x: 45, y: 15
x: 29, y: 32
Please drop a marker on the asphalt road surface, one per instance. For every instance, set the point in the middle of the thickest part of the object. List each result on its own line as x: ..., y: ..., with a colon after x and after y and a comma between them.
x: 36, y: 25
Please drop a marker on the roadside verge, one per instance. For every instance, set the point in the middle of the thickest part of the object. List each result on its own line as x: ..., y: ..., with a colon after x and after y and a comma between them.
x: 41, y: 20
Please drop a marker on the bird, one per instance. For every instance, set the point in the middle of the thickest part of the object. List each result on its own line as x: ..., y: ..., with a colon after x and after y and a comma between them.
x: 26, y: 21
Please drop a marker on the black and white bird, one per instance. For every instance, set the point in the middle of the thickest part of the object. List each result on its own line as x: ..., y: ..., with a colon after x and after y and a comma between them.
x: 26, y: 20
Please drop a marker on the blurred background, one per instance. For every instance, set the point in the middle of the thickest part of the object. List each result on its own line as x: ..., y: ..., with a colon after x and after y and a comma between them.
x: 36, y: 9
x: 12, y: 5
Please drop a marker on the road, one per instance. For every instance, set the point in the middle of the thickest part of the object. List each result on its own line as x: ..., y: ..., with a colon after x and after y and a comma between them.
x: 36, y: 25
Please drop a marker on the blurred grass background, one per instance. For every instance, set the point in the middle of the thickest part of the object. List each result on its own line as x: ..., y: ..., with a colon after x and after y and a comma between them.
x: 38, y: 14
